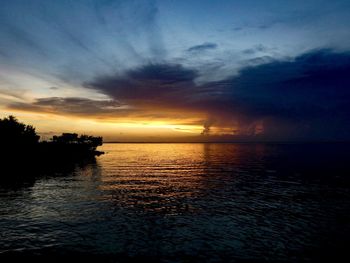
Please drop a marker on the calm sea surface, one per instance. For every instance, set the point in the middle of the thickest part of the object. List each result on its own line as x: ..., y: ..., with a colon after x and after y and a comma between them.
x: 187, y: 202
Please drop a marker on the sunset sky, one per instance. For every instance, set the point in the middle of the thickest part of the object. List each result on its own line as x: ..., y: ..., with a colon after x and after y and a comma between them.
x: 173, y: 70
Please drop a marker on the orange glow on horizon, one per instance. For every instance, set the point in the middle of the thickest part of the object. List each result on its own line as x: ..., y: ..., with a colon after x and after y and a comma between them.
x: 123, y: 129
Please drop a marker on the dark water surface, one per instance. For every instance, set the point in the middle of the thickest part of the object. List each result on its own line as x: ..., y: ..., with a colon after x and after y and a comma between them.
x: 188, y: 202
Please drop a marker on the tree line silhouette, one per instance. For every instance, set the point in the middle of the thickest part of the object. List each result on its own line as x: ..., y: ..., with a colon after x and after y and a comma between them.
x: 12, y: 132
x: 22, y: 154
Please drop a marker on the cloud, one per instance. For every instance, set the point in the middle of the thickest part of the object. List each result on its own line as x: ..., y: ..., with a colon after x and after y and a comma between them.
x: 110, y: 110
x: 71, y: 41
x: 207, y: 125
x: 70, y: 105
x: 304, y: 98
x: 54, y: 88
x: 257, y: 49
x: 203, y: 47
x: 284, y: 98
x: 153, y: 84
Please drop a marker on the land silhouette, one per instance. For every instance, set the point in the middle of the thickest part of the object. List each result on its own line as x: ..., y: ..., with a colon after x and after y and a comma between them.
x: 24, y: 157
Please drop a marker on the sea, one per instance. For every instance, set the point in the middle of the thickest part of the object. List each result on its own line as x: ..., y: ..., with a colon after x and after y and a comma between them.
x: 186, y: 202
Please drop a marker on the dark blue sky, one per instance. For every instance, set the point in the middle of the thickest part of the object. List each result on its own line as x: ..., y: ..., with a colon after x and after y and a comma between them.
x: 270, y: 70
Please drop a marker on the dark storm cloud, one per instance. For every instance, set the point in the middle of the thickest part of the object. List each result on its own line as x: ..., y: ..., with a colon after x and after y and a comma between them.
x: 308, y: 96
x: 310, y: 84
x: 202, y: 47
x: 159, y: 84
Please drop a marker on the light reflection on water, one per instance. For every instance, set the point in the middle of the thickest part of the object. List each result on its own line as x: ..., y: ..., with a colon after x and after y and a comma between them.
x: 187, y: 202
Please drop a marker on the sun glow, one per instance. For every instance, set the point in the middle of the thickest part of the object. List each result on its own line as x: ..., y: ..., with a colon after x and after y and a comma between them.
x: 159, y: 125
x: 122, y: 129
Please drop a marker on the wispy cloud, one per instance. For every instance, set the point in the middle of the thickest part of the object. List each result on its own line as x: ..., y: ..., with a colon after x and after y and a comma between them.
x: 202, y: 47
x: 70, y: 106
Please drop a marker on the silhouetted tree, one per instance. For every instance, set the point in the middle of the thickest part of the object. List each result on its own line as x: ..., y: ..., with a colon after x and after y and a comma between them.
x: 66, y: 138
x: 90, y: 142
x: 14, y: 132
x: 23, y: 157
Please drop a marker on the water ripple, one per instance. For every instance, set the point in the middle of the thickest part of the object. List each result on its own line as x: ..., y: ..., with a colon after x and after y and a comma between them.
x: 187, y: 202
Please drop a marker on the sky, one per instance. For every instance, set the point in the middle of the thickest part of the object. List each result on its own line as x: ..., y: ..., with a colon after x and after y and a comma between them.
x: 166, y: 70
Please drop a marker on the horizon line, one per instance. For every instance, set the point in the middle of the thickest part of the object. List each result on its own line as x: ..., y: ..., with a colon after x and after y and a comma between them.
x: 238, y: 142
